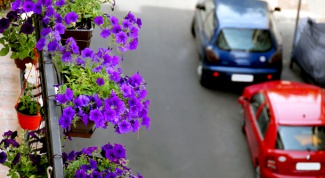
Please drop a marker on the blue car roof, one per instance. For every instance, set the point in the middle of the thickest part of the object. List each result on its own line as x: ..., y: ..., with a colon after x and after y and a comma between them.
x: 242, y: 13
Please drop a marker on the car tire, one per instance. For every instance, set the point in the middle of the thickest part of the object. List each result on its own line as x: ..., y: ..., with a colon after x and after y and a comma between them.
x: 193, y: 28
x: 243, y: 126
x: 291, y: 64
x: 257, y: 172
x: 203, y: 81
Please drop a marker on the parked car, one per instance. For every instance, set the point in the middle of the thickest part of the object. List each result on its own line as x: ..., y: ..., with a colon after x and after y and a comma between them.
x: 237, y: 41
x: 284, y: 123
x: 309, y: 50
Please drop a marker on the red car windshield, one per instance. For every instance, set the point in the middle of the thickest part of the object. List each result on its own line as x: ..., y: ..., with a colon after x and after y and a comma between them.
x: 301, y: 138
x: 254, y: 40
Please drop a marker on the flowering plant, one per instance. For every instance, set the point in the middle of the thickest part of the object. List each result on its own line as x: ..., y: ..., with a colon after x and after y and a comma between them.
x: 22, y: 157
x: 83, y: 10
x: 18, y: 34
x: 96, y: 91
x: 30, y: 104
x: 107, y: 161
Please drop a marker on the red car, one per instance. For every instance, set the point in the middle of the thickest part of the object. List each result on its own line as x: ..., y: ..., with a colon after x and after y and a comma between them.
x: 284, y: 123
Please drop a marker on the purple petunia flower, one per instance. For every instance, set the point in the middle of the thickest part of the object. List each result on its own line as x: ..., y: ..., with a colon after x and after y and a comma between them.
x: 80, y: 173
x: 105, y: 33
x: 80, y: 62
x: 36, y: 159
x: 110, y: 154
x: 133, y: 45
x: 85, y: 118
x: 95, y: 115
x: 67, y: 57
x: 110, y: 115
x: 99, y: 20
x: 74, y: 47
x: 60, y: 28
x: 3, y: 157
x: 8, y: 133
x: 12, y: 16
x: 70, y: 17
x: 69, y: 112
x: 16, y: 159
x: 136, y: 80
x: 4, y: 23
x: 110, y: 175
x: 52, y: 45
x: 124, y: 127
x: 93, y: 163
x: 15, y: 5
x: 139, y: 175
x: 121, y: 38
x: 100, y: 81
x: 41, y: 43
x: 96, y: 174
x: 60, y: 3
x: 46, y: 31
x: 65, y: 121
x: 114, y: 20
x: 146, y: 122
x: 28, y: 6
x: 71, y: 156
x: 126, y: 24
x: 46, y: 20
x: 27, y: 28
x: 139, y: 22
x: 119, y: 151
x: 135, y: 125
x: 98, y: 101
x: 130, y: 17
x: 57, y: 36
x: 61, y: 98
x: 97, y: 69
x: 115, y: 76
x: 87, y: 52
x: 126, y: 90
x: 49, y: 11
x: 37, y: 8
x: 118, y: 171
x: 46, y: 3
x: 142, y: 94
x: 69, y: 94
x: 116, y: 29
x: 134, y: 32
x: 58, y: 18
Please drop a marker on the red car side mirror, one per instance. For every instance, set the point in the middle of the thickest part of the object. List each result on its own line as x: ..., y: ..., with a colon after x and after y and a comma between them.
x: 242, y: 100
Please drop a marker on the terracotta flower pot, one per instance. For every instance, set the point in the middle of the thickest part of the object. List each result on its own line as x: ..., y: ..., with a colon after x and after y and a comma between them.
x: 28, y: 122
x: 20, y: 63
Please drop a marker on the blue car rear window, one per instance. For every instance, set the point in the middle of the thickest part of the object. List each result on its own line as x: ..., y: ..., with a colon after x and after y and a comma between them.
x: 254, y: 40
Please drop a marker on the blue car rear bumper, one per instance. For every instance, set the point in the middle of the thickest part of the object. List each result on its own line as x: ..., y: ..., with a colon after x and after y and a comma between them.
x: 226, y: 73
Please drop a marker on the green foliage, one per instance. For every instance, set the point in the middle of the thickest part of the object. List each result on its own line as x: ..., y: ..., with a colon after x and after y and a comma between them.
x: 19, y: 43
x: 28, y: 103
x: 86, y: 9
x: 24, y: 166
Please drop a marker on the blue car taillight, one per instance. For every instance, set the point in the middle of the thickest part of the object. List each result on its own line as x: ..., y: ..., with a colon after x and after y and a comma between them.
x: 211, y: 55
x: 276, y: 59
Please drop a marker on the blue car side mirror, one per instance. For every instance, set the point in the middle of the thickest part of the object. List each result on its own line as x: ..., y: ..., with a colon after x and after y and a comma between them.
x: 200, y: 6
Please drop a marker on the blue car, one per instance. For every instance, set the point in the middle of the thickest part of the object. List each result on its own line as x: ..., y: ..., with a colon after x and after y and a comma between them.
x: 237, y: 41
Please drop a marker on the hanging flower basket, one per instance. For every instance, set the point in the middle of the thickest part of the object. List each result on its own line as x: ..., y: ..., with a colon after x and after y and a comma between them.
x: 81, y: 36
x: 28, y: 122
x: 21, y: 63
x: 81, y: 130
x: 28, y: 105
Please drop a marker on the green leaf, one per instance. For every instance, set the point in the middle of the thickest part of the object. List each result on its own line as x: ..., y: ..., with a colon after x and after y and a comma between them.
x: 4, y: 51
